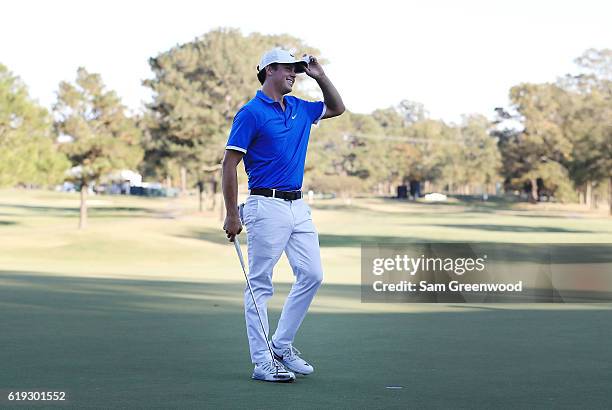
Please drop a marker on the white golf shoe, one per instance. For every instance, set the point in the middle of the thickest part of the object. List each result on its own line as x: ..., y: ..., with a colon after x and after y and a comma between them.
x: 289, y: 357
x: 272, y: 372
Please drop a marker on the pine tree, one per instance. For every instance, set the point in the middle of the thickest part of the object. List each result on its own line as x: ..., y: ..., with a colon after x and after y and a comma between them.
x: 102, y: 137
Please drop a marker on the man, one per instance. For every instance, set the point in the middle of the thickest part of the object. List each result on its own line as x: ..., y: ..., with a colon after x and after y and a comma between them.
x: 271, y: 134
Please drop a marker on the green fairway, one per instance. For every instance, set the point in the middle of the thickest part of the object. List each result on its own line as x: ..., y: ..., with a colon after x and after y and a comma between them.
x: 144, y: 310
x: 168, y: 239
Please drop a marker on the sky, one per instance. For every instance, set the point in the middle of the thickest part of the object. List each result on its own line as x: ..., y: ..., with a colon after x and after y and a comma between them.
x: 454, y: 56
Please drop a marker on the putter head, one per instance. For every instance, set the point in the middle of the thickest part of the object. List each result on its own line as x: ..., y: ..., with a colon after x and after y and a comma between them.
x: 283, y: 376
x: 278, y: 375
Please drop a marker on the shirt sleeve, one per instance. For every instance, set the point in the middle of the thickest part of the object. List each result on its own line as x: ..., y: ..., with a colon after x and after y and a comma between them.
x: 315, y: 110
x: 243, y: 130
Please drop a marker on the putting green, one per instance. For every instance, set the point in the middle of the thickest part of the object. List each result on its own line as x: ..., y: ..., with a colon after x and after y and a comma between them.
x: 160, y: 344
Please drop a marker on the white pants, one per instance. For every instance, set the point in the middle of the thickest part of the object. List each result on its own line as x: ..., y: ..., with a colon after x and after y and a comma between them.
x: 273, y: 226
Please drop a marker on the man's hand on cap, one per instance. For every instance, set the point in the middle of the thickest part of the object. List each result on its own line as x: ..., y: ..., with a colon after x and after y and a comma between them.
x: 314, y: 69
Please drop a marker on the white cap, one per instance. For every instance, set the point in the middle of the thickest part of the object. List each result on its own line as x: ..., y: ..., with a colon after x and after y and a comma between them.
x: 278, y: 55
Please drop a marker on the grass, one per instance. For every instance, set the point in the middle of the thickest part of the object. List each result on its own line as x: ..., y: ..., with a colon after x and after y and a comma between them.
x: 144, y: 310
x: 167, y: 238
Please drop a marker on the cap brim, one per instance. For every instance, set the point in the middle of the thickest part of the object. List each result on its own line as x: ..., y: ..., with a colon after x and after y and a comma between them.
x: 299, y: 65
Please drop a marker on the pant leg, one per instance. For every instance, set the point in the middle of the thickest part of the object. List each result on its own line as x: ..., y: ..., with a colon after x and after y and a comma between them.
x: 304, y: 256
x: 268, y: 222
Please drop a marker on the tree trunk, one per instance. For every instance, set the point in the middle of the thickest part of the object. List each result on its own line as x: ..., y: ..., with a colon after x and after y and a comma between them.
x: 534, y: 190
x: 200, y: 196
x: 610, y: 194
x: 212, y: 202
x: 83, y: 212
x: 183, y: 180
x: 168, y: 182
x: 214, y: 188
x: 589, y: 194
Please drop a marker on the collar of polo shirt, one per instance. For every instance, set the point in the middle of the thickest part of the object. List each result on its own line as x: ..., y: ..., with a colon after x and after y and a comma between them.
x: 262, y: 96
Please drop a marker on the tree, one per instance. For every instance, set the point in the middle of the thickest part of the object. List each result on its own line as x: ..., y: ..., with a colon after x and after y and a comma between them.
x: 567, y: 135
x: 590, y: 123
x: 591, y: 132
x: 597, y: 64
x: 395, y: 155
x: 390, y: 120
x: 28, y: 151
x: 555, y: 178
x: 412, y: 111
x: 197, y: 89
x: 102, y: 137
x: 544, y: 110
x: 474, y: 158
x: 509, y: 138
x: 432, y: 140
x: 346, y: 155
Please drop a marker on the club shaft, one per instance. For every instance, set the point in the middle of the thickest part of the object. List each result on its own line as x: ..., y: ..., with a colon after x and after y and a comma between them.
x: 263, y: 329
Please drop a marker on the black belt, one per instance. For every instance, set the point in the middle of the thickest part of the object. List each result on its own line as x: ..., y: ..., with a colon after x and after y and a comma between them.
x: 275, y: 193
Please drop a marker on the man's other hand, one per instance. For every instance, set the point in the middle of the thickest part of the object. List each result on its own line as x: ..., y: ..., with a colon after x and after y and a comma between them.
x: 232, y: 226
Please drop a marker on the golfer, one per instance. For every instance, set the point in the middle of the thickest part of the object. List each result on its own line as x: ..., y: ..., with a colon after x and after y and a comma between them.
x: 271, y: 134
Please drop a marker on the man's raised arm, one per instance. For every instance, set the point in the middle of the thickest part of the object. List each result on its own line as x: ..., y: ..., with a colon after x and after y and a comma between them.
x: 331, y: 96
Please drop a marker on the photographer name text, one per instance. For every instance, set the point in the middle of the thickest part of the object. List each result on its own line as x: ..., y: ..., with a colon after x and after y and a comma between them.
x: 453, y: 286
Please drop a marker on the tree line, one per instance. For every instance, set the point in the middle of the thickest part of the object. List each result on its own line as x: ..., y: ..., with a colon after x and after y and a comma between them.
x: 553, y: 140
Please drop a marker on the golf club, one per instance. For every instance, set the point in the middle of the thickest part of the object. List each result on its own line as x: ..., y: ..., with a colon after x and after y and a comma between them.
x: 263, y: 329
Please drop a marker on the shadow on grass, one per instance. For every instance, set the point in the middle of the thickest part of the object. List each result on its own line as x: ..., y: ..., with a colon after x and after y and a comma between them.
x: 474, y: 204
x: 7, y: 223
x: 337, y: 207
x: 325, y: 240
x: 429, y: 209
x: 216, y: 236
x: 542, y: 253
x: 343, y: 241
x: 99, y: 212
x: 512, y: 228
x: 129, y: 343
x: 457, y: 202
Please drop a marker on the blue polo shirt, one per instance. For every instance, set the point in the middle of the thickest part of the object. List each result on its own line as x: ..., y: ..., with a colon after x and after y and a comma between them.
x: 274, y: 141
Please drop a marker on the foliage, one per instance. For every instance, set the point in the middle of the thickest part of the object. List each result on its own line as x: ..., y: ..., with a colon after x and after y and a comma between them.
x: 28, y: 151
x: 102, y: 137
